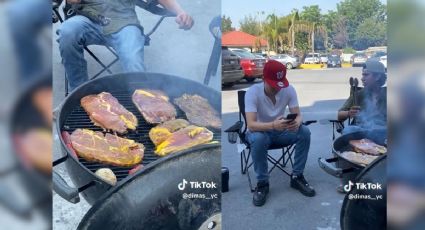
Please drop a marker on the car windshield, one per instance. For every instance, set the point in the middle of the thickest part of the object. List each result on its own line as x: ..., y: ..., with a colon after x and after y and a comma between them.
x: 244, y: 54
x: 333, y: 58
x: 379, y: 54
x: 359, y: 55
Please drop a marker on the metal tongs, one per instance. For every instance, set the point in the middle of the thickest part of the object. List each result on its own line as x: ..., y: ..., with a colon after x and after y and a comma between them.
x: 354, y: 83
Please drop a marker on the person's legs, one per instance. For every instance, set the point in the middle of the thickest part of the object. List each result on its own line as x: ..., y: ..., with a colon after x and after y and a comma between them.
x: 26, y: 19
x: 301, y: 138
x: 259, y: 142
x: 129, y: 43
x: 74, y: 34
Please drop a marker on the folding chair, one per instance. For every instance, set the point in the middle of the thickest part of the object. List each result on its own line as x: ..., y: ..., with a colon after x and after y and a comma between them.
x: 150, y: 5
x: 239, y: 130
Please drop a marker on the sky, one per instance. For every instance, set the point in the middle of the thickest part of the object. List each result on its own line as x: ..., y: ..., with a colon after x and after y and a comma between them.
x: 237, y: 9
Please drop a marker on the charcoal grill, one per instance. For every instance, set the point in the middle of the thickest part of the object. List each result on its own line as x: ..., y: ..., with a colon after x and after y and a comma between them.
x: 121, y: 86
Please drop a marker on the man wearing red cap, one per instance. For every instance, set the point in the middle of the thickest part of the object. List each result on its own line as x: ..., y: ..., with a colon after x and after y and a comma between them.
x: 265, y: 105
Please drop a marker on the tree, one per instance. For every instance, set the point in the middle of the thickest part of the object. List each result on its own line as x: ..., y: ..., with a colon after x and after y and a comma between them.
x: 340, y: 36
x: 357, y: 11
x: 250, y: 25
x: 226, y: 24
x: 370, y: 33
x: 311, y: 14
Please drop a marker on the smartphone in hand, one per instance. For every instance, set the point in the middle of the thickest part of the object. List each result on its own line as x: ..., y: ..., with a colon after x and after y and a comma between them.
x: 291, y: 117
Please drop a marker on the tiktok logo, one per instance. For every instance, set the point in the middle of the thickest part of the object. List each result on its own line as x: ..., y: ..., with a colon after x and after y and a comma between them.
x: 182, y: 185
x: 348, y: 186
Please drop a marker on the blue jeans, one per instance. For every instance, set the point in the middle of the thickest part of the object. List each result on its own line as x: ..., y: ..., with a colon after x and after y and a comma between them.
x: 79, y: 31
x: 261, y: 141
x: 26, y: 20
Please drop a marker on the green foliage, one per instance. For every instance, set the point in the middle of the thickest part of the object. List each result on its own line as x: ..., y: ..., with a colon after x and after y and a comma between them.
x: 369, y: 33
x: 226, y: 24
x: 250, y: 25
x: 311, y: 14
x: 349, y: 50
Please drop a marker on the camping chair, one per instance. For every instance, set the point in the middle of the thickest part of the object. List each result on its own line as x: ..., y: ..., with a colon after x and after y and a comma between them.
x: 239, y: 130
x: 150, y: 5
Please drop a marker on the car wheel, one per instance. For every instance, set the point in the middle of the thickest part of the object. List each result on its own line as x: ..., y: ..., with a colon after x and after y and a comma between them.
x: 289, y: 66
x: 250, y: 79
x: 229, y: 85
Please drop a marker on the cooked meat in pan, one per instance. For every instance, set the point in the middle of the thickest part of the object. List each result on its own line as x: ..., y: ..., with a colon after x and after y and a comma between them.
x: 198, y: 111
x: 108, y: 149
x: 358, y: 158
x: 35, y: 148
x: 105, y: 111
x: 367, y: 146
x: 154, y: 105
x: 161, y: 132
x: 185, y: 138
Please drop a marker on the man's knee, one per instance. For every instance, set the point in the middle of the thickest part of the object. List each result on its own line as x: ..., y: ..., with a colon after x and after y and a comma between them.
x: 304, y: 132
x: 70, y: 33
x: 259, y: 139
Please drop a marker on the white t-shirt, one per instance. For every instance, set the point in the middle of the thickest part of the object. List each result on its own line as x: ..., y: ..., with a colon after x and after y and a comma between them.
x: 256, y: 101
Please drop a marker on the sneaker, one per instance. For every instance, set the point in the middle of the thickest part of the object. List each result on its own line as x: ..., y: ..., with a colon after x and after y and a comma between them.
x: 299, y: 183
x: 260, y: 193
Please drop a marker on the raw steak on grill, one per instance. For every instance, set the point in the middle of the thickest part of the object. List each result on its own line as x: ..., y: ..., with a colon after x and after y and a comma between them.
x: 358, y: 158
x: 105, y: 111
x: 367, y: 146
x: 161, y: 132
x: 108, y: 149
x: 199, y: 111
x: 185, y: 138
x: 154, y: 105
x: 35, y: 148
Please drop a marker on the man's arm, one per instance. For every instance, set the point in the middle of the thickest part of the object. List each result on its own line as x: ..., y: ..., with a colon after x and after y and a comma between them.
x: 183, y: 19
x: 279, y: 124
x: 295, y: 124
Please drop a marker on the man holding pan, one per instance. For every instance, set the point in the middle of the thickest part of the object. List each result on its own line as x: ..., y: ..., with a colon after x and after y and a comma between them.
x: 111, y: 23
x: 368, y: 106
x: 265, y: 105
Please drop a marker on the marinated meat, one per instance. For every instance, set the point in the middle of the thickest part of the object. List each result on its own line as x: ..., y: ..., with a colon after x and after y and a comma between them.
x: 358, y: 158
x: 154, y: 105
x: 367, y: 146
x: 183, y: 139
x: 105, y: 111
x: 108, y: 149
x: 161, y: 132
x: 198, y: 111
x: 35, y: 149
x: 42, y: 100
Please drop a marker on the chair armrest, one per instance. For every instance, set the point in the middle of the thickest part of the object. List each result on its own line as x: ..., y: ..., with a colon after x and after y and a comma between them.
x: 307, y: 123
x: 236, y: 128
x: 153, y: 7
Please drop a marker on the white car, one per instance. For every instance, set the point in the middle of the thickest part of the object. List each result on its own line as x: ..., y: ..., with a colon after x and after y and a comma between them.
x: 289, y: 61
x: 323, y: 58
x: 312, y: 58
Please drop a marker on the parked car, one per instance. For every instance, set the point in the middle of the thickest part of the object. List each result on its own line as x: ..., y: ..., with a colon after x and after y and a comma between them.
x: 231, y: 70
x: 312, y: 58
x: 380, y: 56
x: 358, y: 59
x: 260, y: 54
x: 324, y: 58
x: 251, y: 65
x: 289, y: 61
x: 333, y: 61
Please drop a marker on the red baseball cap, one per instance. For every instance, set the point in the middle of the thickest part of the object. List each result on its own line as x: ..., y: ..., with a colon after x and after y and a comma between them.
x: 274, y: 74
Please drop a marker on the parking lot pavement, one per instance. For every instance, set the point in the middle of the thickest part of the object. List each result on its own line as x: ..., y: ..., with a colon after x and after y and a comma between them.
x: 320, y: 94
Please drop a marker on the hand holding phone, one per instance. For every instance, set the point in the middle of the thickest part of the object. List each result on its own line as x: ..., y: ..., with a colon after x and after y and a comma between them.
x: 291, y: 117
